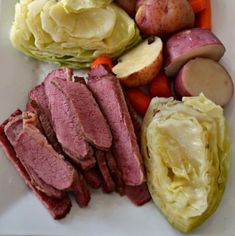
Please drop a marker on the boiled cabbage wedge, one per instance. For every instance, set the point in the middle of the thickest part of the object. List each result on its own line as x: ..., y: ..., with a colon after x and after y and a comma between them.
x: 72, y: 32
x: 186, y: 151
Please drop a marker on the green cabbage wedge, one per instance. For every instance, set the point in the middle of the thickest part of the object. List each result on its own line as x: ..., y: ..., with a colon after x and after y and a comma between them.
x: 186, y: 151
x: 72, y: 32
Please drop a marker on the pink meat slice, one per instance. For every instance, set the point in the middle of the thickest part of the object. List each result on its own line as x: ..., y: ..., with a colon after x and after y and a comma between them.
x: 92, y: 178
x: 81, y: 192
x: 65, y: 123
x: 108, y: 184
x: 32, y: 148
x: 115, y: 172
x: 109, y: 95
x: 42, y: 186
x: 45, y: 124
x: 38, y: 95
x: 139, y: 195
x: 12, y: 129
x: 92, y: 123
x: 58, y: 208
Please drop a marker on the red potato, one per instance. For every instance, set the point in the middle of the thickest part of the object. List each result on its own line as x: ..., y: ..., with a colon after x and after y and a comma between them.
x: 138, y: 66
x: 128, y: 5
x: 163, y: 17
x: 189, y: 44
x: 203, y: 75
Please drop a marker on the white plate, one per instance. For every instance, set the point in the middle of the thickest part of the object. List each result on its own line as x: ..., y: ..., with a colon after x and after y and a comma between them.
x: 22, y: 213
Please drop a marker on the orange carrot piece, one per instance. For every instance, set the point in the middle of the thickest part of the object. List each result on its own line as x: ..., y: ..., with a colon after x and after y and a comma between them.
x: 139, y: 100
x: 203, y: 18
x: 198, y: 5
x: 160, y: 86
x: 102, y: 60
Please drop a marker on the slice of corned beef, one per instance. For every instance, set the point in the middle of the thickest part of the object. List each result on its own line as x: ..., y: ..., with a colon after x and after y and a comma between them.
x: 58, y: 208
x: 139, y: 195
x: 44, y: 157
x: 109, y: 95
x: 13, y: 127
x: 34, y: 151
x: 93, y: 125
x: 65, y: 123
x: 39, y: 97
x: 136, y: 120
x: 115, y: 172
x: 81, y: 192
x: 38, y: 103
x: 108, y: 184
x: 92, y: 178
x: 46, y: 127
x: 42, y: 186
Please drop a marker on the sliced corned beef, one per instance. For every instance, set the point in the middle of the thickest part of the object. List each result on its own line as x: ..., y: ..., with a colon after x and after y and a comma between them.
x: 115, y: 172
x: 34, y: 151
x: 136, y: 120
x: 65, y: 124
x: 93, y: 125
x: 58, y: 208
x: 12, y: 129
x: 38, y: 95
x: 99, y: 71
x: 108, y: 184
x: 92, y: 178
x: 38, y: 102
x: 42, y: 186
x: 109, y: 95
x: 81, y: 192
x: 45, y: 124
x: 139, y: 195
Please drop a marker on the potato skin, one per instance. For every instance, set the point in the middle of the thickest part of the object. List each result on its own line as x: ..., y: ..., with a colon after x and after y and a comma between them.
x: 188, y: 40
x: 179, y: 87
x: 145, y: 75
x: 161, y: 17
x: 128, y: 5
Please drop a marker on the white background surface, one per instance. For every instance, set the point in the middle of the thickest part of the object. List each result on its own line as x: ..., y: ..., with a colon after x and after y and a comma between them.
x: 20, y: 211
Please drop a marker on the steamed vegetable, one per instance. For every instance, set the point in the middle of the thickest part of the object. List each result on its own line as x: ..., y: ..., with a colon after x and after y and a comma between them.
x: 189, y: 44
x: 138, y: 66
x: 139, y: 100
x: 102, y: 60
x: 161, y: 17
x: 72, y: 33
x: 198, y: 5
x: 186, y: 150
x: 206, y: 76
x: 160, y: 86
x: 203, y: 19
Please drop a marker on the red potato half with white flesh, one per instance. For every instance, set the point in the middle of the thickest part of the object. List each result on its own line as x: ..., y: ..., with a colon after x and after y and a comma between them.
x: 189, y: 44
x: 203, y: 75
x: 138, y: 66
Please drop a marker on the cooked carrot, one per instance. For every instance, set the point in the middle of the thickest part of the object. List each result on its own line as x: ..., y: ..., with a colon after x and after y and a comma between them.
x: 198, y: 5
x: 102, y: 60
x: 160, y: 86
x: 203, y: 18
x: 139, y: 100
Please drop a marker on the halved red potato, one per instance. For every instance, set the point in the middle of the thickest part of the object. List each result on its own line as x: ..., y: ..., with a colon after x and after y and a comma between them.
x: 203, y: 75
x: 141, y: 64
x: 189, y: 44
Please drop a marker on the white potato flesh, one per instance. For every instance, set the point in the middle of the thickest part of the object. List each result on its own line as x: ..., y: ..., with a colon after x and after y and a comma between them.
x: 206, y: 76
x: 138, y: 58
